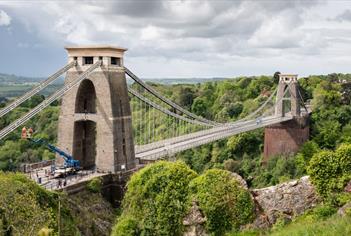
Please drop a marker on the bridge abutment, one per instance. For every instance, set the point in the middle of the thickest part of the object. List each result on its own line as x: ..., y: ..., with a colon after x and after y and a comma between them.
x: 286, y: 138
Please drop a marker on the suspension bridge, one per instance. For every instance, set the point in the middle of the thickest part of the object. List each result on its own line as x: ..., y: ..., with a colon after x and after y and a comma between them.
x: 112, y: 126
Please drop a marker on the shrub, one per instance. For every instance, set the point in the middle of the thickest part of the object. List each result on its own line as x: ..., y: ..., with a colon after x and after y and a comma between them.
x: 330, y: 171
x: 157, y: 198
x: 231, y: 165
x: 305, y: 154
x: 127, y: 226
x: 27, y: 209
x: 225, y: 204
x: 323, y: 211
x: 95, y: 185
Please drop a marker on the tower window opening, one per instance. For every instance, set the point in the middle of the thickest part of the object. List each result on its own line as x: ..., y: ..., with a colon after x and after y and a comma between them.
x: 116, y: 61
x: 88, y: 60
x: 75, y: 58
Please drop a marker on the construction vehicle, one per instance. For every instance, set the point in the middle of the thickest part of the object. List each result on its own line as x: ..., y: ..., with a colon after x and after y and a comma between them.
x: 69, y: 161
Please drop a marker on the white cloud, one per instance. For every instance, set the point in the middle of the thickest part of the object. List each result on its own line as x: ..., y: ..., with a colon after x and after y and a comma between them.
x: 5, y: 19
x: 149, y: 33
x: 223, y: 34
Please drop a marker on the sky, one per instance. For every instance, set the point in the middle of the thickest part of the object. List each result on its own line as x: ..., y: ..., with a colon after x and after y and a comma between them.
x: 181, y: 39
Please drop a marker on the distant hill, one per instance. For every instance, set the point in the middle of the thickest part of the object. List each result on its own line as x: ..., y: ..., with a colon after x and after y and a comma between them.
x: 10, y: 79
x: 169, y: 81
x: 7, y: 79
x: 14, y: 85
x: 14, y: 79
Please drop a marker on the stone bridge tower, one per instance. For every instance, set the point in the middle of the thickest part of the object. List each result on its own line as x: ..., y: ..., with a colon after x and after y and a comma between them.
x: 287, y: 137
x: 95, y: 118
x: 288, y: 82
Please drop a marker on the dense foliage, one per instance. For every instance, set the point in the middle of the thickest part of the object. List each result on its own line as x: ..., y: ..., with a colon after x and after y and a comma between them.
x: 330, y: 98
x: 224, y: 202
x: 160, y: 195
x: 321, y: 221
x: 330, y: 171
x: 95, y: 185
x: 14, y: 151
x: 26, y: 208
x: 157, y: 198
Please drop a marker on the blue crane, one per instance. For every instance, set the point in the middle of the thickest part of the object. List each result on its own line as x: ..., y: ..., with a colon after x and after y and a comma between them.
x: 69, y: 160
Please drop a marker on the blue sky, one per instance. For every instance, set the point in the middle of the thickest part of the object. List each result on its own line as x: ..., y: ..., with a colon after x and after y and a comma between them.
x: 181, y: 38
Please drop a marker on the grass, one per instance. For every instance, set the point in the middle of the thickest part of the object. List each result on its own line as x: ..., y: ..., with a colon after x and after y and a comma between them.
x: 334, y: 225
x: 322, y: 221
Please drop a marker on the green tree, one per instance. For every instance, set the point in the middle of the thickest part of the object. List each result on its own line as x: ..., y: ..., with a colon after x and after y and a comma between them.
x: 157, y: 198
x: 330, y: 170
x: 224, y: 202
x: 200, y: 107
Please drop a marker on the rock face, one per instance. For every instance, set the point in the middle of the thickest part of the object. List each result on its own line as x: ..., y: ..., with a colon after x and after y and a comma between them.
x: 93, y: 215
x: 344, y: 210
x: 283, y: 201
x: 348, y: 187
x: 240, y: 179
x: 194, y: 222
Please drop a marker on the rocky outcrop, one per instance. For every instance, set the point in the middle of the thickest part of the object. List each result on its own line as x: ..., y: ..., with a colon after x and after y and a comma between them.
x: 92, y: 214
x: 348, y: 187
x: 283, y: 201
x: 194, y: 222
x: 345, y: 210
x: 240, y: 180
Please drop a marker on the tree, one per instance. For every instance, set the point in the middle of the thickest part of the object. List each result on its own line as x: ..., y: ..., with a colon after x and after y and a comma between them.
x: 33, y: 101
x: 235, y: 109
x: 224, y: 202
x: 186, y: 97
x: 330, y: 171
x: 157, y: 198
x: 22, y: 212
x: 200, y: 107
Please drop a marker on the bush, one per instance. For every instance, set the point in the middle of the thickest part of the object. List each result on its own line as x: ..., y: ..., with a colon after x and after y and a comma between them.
x: 225, y: 204
x: 157, y: 198
x: 127, y: 226
x: 231, y: 165
x: 305, y: 154
x: 95, y: 185
x: 27, y: 209
x: 330, y: 171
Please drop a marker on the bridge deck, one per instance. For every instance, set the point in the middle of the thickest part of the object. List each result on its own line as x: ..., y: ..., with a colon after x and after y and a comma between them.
x: 171, y: 146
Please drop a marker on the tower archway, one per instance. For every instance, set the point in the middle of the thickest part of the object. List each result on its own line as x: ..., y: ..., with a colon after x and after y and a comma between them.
x: 84, y: 140
x: 86, y: 98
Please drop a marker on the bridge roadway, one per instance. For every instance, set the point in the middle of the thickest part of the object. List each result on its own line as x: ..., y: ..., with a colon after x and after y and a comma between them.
x: 168, y: 147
